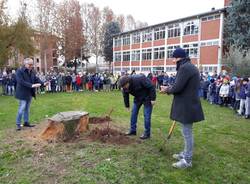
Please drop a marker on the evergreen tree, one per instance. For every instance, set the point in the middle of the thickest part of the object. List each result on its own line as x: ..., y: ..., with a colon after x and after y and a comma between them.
x: 111, y: 29
x: 237, y: 24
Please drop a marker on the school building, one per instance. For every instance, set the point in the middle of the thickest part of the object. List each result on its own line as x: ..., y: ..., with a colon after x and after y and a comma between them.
x: 150, y: 49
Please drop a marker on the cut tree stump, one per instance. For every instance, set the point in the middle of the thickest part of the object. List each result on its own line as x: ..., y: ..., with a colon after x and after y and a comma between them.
x: 66, y: 125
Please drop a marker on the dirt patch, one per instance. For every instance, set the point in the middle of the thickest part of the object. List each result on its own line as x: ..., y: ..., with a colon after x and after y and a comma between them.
x: 101, y: 129
x: 109, y: 135
x: 99, y: 120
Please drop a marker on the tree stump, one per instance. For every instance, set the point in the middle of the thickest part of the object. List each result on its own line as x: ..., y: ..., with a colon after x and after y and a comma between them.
x: 66, y: 125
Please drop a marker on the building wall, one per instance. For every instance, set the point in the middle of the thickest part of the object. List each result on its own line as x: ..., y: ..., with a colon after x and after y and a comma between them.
x: 203, y: 44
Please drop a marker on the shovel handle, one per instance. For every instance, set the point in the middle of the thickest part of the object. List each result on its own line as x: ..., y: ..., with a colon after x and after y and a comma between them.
x: 170, y: 132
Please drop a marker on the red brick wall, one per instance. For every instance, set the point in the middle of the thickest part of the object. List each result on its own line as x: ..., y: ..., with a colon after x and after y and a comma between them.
x: 136, y: 46
x: 126, y: 47
x: 117, y: 63
x: 159, y: 42
x: 146, y: 63
x: 169, y: 62
x: 158, y: 62
x: 125, y: 63
x: 173, y: 41
x: 210, y: 29
x: 227, y: 2
x: 135, y: 63
x: 209, y: 55
x: 146, y: 44
x: 116, y: 48
x: 190, y: 38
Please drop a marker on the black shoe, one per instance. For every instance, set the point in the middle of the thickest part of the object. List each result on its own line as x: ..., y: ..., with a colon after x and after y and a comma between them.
x: 130, y: 133
x: 18, y: 127
x: 28, y: 125
x: 144, y: 136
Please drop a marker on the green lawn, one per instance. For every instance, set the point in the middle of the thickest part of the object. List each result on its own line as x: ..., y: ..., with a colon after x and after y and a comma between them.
x: 222, y: 146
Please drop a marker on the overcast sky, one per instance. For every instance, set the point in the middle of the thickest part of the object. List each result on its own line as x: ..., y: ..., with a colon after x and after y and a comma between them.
x: 150, y: 11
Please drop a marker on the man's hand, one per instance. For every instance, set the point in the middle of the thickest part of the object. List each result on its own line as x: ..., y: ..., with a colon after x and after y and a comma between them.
x: 37, y: 85
x: 153, y: 103
x: 46, y: 84
x: 128, y: 109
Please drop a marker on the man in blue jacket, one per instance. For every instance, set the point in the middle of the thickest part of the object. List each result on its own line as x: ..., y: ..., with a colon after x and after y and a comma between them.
x: 144, y: 93
x: 27, y: 82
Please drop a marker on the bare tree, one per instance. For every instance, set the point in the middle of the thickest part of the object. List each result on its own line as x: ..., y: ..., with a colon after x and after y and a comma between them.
x: 92, y: 25
x: 130, y: 23
x: 121, y: 20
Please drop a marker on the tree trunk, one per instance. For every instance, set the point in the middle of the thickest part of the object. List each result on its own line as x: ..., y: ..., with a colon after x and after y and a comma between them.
x: 66, y: 125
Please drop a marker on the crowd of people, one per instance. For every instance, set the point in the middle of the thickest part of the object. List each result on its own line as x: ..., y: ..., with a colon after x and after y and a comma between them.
x: 223, y: 90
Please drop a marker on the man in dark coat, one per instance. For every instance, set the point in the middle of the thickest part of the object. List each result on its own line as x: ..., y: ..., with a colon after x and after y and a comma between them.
x: 27, y: 82
x: 144, y: 93
x: 186, y: 106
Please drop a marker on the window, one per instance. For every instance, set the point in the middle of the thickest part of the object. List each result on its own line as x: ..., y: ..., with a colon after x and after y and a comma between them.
x: 118, y: 56
x: 191, y: 27
x: 174, y: 30
x: 159, y: 53
x: 117, y: 69
x: 136, y: 38
x: 146, y: 69
x: 136, y: 55
x: 147, y: 35
x: 209, y: 43
x: 126, y: 56
x: 146, y: 54
x: 171, y: 50
x: 191, y: 50
x: 211, y: 17
x: 126, y: 40
x: 118, y: 42
x: 159, y: 33
x: 135, y: 68
x: 170, y: 69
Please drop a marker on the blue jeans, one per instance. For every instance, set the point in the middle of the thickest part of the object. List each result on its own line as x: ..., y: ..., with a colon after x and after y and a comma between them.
x: 187, y: 133
x: 147, y: 118
x: 23, y: 110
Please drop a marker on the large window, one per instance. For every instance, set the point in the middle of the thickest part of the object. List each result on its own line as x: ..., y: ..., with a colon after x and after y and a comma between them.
x: 136, y: 55
x: 191, y: 27
x: 146, y: 54
x: 171, y: 49
x: 159, y: 33
x: 159, y: 53
x: 147, y: 35
x: 174, y: 30
x: 136, y: 38
x: 211, y: 17
x: 118, y: 56
x: 126, y: 40
x: 118, y: 42
x: 191, y: 50
x: 126, y: 56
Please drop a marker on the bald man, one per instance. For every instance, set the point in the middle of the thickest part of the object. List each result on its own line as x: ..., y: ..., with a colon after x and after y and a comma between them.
x: 27, y: 82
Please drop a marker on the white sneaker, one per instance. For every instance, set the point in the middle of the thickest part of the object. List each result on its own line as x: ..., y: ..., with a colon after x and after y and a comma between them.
x: 182, y: 164
x: 178, y: 156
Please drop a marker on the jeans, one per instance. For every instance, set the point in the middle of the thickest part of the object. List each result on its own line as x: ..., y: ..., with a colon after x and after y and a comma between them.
x: 247, y: 113
x: 23, y: 110
x: 147, y: 118
x: 187, y: 133
x: 242, y: 106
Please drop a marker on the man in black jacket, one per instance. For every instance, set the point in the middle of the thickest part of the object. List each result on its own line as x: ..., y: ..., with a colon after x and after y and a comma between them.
x: 27, y: 82
x: 144, y: 93
x: 186, y: 106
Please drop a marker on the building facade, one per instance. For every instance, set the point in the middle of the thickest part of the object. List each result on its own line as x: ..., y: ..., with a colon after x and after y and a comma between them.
x: 150, y: 49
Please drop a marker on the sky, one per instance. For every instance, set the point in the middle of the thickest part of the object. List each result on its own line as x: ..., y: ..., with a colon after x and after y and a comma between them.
x: 150, y: 11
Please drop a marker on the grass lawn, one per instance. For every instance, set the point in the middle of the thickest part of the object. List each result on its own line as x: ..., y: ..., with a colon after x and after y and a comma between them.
x: 222, y: 146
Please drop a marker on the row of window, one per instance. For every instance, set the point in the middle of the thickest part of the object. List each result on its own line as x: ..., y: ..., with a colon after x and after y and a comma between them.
x: 146, y: 69
x: 174, y: 30
x: 156, y: 53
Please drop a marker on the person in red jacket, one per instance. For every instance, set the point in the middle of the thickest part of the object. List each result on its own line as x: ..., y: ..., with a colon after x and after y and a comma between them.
x: 78, y: 82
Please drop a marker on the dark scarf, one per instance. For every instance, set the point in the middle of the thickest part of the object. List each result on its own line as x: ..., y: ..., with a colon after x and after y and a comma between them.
x: 181, y: 62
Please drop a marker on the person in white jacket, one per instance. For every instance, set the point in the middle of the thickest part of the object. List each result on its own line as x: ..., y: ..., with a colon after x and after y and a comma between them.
x: 224, y: 92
